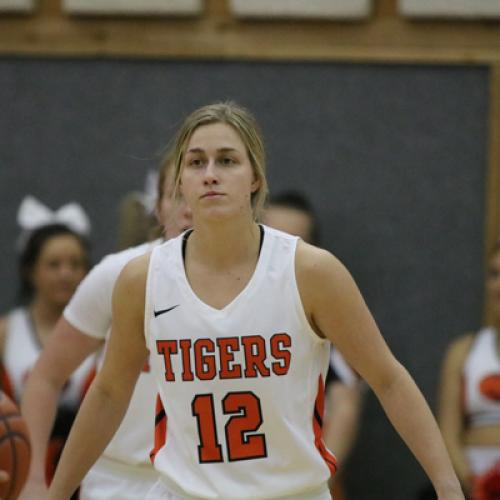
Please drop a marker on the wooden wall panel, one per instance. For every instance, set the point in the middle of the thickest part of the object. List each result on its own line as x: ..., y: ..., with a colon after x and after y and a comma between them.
x: 385, y: 37
x: 467, y: 9
x: 315, y: 9
x: 133, y: 7
x: 24, y: 6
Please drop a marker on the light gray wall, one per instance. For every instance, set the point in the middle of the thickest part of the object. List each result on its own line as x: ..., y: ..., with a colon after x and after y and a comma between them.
x: 393, y: 156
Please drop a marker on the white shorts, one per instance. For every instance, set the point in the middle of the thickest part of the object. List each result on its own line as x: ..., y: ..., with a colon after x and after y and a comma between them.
x: 112, y: 480
x: 482, y: 458
x: 160, y: 492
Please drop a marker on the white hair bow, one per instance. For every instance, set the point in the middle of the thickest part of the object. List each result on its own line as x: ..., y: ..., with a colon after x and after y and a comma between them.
x: 33, y: 214
x: 149, y: 196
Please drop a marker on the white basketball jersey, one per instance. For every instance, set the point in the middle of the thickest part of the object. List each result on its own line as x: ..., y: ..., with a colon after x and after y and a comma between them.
x: 90, y: 311
x: 240, y: 405
x: 481, y: 377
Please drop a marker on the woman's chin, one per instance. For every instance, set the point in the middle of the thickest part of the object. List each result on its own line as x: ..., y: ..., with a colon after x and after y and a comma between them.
x: 61, y: 299
x: 217, y: 213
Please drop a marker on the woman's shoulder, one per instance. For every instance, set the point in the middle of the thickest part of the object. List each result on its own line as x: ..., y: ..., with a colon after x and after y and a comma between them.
x: 317, y: 262
x: 4, y: 326
x: 462, y: 342
x: 459, y: 348
x: 321, y: 277
x: 15, y: 314
x: 129, y: 290
x: 134, y: 273
x: 137, y: 267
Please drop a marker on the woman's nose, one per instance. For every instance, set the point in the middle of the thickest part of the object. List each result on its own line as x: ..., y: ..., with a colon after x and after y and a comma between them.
x: 211, y: 173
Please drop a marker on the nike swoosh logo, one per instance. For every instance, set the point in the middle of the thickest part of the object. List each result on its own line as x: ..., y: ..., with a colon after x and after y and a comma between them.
x: 163, y: 311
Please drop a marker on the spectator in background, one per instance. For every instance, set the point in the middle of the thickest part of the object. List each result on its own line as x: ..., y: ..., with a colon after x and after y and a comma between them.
x: 292, y: 212
x: 53, y: 259
x: 469, y: 402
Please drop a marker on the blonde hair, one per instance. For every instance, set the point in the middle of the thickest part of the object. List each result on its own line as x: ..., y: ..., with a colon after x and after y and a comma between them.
x: 136, y: 225
x: 244, y: 123
x: 166, y: 167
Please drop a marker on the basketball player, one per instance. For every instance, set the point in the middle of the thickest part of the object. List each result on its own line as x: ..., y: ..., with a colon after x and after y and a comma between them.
x: 291, y: 212
x: 238, y: 320
x: 124, y: 472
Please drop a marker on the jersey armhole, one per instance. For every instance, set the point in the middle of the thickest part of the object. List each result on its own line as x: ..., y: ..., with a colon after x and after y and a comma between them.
x: 147, y: 296
x: 298, y: 300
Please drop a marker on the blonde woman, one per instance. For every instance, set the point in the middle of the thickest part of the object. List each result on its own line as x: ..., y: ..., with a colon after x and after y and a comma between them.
x: 238, y: 319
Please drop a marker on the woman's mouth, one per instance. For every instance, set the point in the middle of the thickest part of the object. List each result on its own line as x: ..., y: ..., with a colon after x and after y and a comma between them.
x: 212, y: 194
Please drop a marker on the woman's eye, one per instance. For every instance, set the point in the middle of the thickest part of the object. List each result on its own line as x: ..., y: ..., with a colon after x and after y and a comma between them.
x: 52, y: 264
x: 195, y: 162
x: 227, y: 161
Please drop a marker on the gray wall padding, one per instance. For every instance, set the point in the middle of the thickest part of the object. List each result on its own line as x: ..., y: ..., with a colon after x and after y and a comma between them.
x: 393, y: 156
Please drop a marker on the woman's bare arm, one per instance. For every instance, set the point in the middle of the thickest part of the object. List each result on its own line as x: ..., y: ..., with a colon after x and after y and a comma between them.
x: 337, y: 310
x: 62, y: 355
x: 344, y: 404
x: 450, y: 411
x: 107, y: 400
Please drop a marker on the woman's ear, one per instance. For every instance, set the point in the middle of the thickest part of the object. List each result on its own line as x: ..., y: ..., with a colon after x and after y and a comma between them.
x: 255, y: 186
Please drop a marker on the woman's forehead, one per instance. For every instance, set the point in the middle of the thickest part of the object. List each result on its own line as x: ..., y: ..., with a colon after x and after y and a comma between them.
x: 219, y: 136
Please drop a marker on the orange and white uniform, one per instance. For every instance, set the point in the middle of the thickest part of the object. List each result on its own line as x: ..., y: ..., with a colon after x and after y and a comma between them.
x: 481, y: 379
x: 21, y: 351
x: 239, y: 413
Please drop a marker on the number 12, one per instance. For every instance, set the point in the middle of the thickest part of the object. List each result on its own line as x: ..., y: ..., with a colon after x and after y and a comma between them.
x: 247, y: 417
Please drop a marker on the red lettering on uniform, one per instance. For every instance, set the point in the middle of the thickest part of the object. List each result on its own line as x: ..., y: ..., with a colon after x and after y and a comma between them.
x: 279, y: 343
x: 167, y: 348
x: 227, y: 346
x: 187, y: 373
x: 204, y: 363
x: 209, y: 450
x: 216, y: 357
x: 242, y: 442
x: 255, y: 355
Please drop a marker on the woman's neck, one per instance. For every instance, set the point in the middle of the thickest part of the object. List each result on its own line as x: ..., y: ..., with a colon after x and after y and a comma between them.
x: 225, y: 243
x: 44, y: 313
